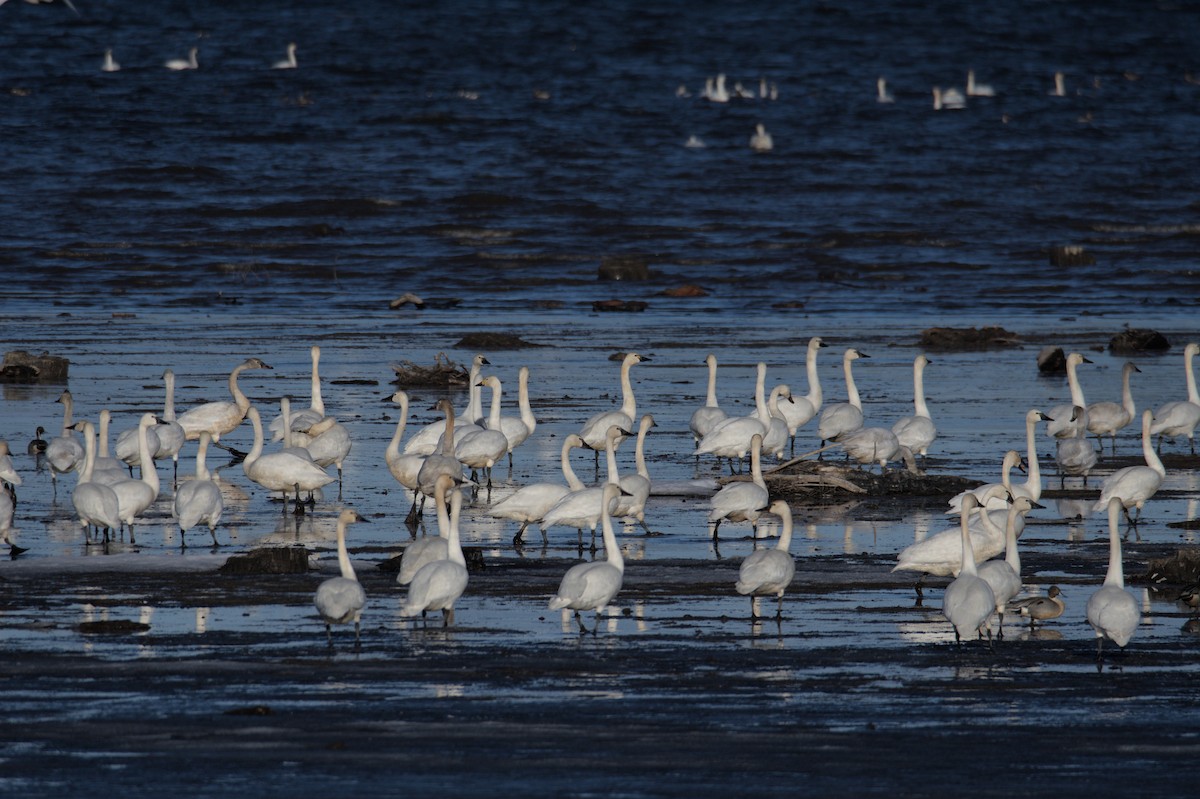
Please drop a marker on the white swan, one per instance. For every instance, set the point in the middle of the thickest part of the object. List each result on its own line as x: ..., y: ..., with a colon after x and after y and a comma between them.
x: 1032, y: 487
x: 918, y: 431
x: 581, y: 509
x: 8, y: 473
x: 530, y: 503
x: 742, y: 501
x: 769, y: 572
x: 6, y: 529
x: 977, y: 89
x: 431, y: 547
x: 63, y: 452
x: 882, y: 95
x: 177, y: 64
x: 869, y: 445
x: 281, y: 471
x: 776, y: 437
x: 1179, y: 418
x: 761, y: 141
x: 716, y: 93
x: 290, y: 61
x: 968, y: 602
x: 314, y: 413
x: 404, y: 468
x: 136, y: 496
x: 518, y: 429
x: 1108, y: 418
x: 170, y: 433
x: 1060, y: 86
x: 731, y: 438
x: 1004, y: 576
x: 595, y: 429
x: 443, y: 462
x: 940, y: 554
x: 340, y: 600
x: 1133, y: 485
x: 843, y: 417
x: 329, y: 444
x: 95, y: 503
x: 591, y: 586
x: 1067, y: 423
x: 1112, y: 611
x: 1012, y: 458
x: 708, y: 415
x: 950, y: 99
x: 1075, y: 457
x: 1040, y: 608
x: 636, y: 486
x: 483, y: 448
x: 801, y: 410
x: 439, y: 584
x: 109, y: 64
x: 219, y: 418
x: 199, y: 501
x: 127, y: 450
x: 428, y: 439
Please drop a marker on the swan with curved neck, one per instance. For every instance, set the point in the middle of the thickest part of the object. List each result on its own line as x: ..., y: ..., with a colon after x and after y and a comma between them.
x: 289, y: 62
x: 442, y: 462
x: 282, y: 471
x: 219, y: 418
x: 769, y: 572
x: 1004, y: 576
x: 1180, y: 418
x: 1133, y: 485
x: 776, y: 437
x: 581, y: 509
x: 177, y: 64
x: 431, y: 547
x: 340, y: 600
x: 592, y: 586
x: 843, y: 417
x: 481, y: 449
x: 1012, y: 458
x: 404, y: 468
x: 530, y: 503
x: 1112, y: 611
x: 595, y: 429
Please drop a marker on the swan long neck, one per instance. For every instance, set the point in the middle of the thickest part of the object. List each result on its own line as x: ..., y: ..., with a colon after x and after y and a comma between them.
x: 285, y: 413
x: 611, y: 550
x: 148, y: 470
x: 202, y: 472
x: 344, y: 556
x: 1190, y: 372
x: 1073, y: 382
x: 89, y: 452
x: 1033, y: 483
x: 1152, y: 459
x: 573, y: 481
x: 474, y: 402
x: 448, y: 436
x: 439, y: 498
x: 454, y: 542
x: 968, y: 549
x: 318, y: 404
x: 851, y: 388
x: 239, y: 398
x: 760, y: 397
x: 527, y: 417
x: 610, y: 459
x: 1011, y: 556
x: 68, y: 403
x: 711, y: 400
x: 639, y: 452
x: 785, y: 531
x: 815, y: 397
x: 1116, y: 571
x: 756, y: 465
x: 919, y: 388
x: 493, y: 421
x: 169, y: 404
x: 256, y: 450
x: 628, y: 401
x: 1127, y: 393
x: 102, y: 442
x: 393, y: 448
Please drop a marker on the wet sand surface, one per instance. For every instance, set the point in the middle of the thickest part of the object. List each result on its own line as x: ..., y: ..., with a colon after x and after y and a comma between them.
x: 146, y: 668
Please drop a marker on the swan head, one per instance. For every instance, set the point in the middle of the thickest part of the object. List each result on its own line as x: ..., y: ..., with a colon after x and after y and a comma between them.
x: 923, y: 361
x: 615, y: 433
x: 853, y: 355
x: 255, y: 363
x: 710, y: 361
x: 491, y: 381
x: 1034, y: 416
x: 573, y: 441
x: 64, y: 397
x: 648, y: 421
x: 479, y: 361
x: 400, y: 398
x: 351, y: 516
x: 1076, y: 358
x: 816, y: 342
x: 632, y: 357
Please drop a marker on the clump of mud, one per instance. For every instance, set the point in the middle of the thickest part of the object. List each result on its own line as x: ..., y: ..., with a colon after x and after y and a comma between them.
x: 1138, y: 340
x: 967, y: 338
x: 1181, y: 568
x: 807, y: 481
x: 493, y: 341
x: 271, y: 560
x: 443, y: 374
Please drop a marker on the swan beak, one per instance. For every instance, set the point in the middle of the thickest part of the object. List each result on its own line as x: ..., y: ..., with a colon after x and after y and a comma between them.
x: 1035, y: 505
x: 1086, y: 359
x: 1046, y: 418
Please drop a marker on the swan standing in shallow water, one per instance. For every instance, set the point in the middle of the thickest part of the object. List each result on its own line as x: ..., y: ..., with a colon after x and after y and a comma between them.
x: 1004, y: 576
x: 219, y: 418
x: 591, y: 586
x: 948, y: 100
x: 177, y: 64
x: 530, y: 503
x: 170, y: 433
x: 941, y: 554
x: 1066, y: 423
x: 742, y: 501
x: 290, y: 61
x: 340, y: 600
x: 404, y: 468
x: 1112, y: 611
x: 1180, y: 418
x: 481, y: 449
x: 595, y: 429
x: 517, y: 429
x: 876, y: 445
x: 1109, y: 418
x: 843, y: 417
x: 731, y: 437
x: 1133, y: 485
x: 580, y: 509
x: 303, y: 419
x: 709, y: 415
x: 917, y: 432
x: 776, y: 437
x: 978, y: 89
x: 431, y: 547
x: 95, y: 503
x: 438, y: 585
x: 801, y: 410
x: 428, y: 439
x: 443, y: 462
x: 968, y: 602
x: 769, y: 572
x: 63, y: 452
x: 199, y: 501
x: 882, y: 95
x: 761, y: 141
x: 109, y: 64
x: 1075, y: 457
x: 281, y: 471
x: 127, y: 451
x: 636, y: 486
x: 135, y: 496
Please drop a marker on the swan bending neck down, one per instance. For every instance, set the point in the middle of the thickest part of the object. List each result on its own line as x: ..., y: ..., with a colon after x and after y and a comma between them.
x: 1112, y: 611
x: 340, y: 600
x: 591, y: 586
